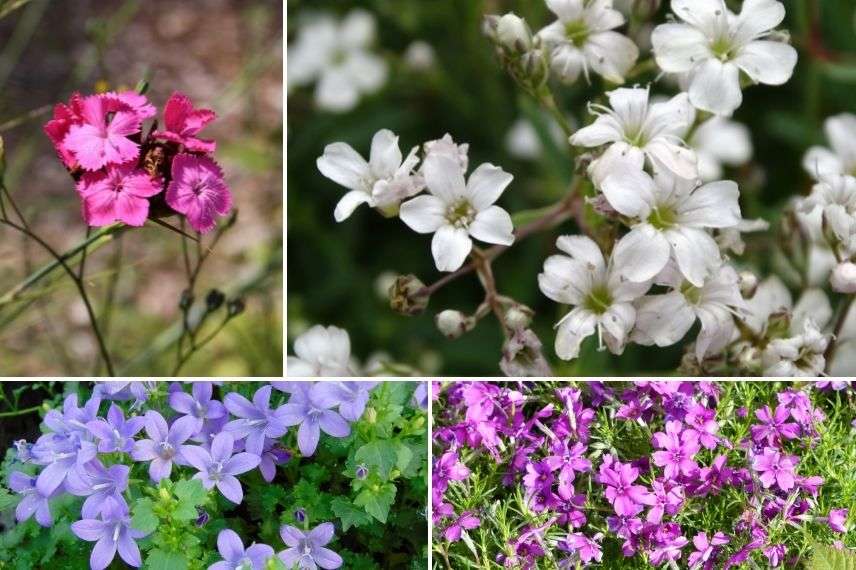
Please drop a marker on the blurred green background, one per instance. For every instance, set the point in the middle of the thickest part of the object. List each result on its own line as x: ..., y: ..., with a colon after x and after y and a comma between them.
x: 333, y: 269
x: 226, y: 56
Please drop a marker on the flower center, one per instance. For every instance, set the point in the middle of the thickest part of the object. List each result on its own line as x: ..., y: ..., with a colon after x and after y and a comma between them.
x: 305, y: 547
x: 166, y: 450
x: 198, y: 410
x: 599, y: 300
x: 215, y: 471
x: 577, y: 32
x: 693, y: 295
x: 662, y: 217
x: 461, y: 213
x: 722, y: 47
x: 245, y: 564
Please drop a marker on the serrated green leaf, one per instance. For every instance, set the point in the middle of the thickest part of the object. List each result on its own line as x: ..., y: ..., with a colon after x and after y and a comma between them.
x: 144, y: 517
x: 7, y: 499
x: 825, y: 557
x: 191, y: 491
x: 377, y: 500
x: 380, y: 455
x: 403, y: 455
x: 349, y: 514
x: 162, y: 560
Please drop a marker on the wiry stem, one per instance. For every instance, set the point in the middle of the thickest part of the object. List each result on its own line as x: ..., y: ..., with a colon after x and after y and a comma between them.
x: 829, y: 355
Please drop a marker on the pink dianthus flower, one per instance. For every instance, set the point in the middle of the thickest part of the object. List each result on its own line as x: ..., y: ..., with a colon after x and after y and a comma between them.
x: 198, y: 191
x: 119, y: 194
x: 182, y: 122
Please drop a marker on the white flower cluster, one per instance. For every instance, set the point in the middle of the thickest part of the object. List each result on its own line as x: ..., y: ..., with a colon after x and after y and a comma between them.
x: 454, y: 209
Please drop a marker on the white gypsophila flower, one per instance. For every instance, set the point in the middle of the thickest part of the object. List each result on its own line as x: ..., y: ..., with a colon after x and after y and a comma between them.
x: 820, y: 259
x: 337, y: 55
x: 713, y: 45
x: 665, y: 319
x: 382, y: 182
x: 636, y: 131
x: 446, y: 146
x: 731, y: 239
x: 717, y: 142
x: 835, y: 196
x: 669, y: 217
x: 601, y: 297
x: 419, y: 56
x: 773, y: 297
x: 841, y: 158
x: 321, y: 351
x: 843, y: 279
x: 583, y: 38
x: 522, y: 140
x: 456, y: 210
x: 798, y: 356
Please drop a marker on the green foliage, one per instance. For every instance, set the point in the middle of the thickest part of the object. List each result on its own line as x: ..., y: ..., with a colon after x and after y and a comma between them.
x: 824, y: 557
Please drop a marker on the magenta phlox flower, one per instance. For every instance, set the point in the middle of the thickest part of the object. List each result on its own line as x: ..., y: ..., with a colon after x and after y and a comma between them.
x: 679, y: 447
x: 539, y: 476
x: 774, y: 468
x: 467, y: 521
x: 480, y: 399
x: 587, y: 549
x: 837, y: 520
x: 665, y: 542
x: 625, y: 497
x: 775, y: 554
x: 448, y: 468
x: 670, y: 496
x: 700, y: 420
x: 182, y: 123
x: 774, y: 426
x: 706, y: 550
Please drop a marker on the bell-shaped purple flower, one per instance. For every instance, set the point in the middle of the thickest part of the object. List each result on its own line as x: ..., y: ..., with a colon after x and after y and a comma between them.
x: 218, y: 467
x: 111, y: 533
x: 101, y: 486
x: 165, y: 446
x: 272, y: 456
x: 352, y: 396
x: 309, y: 407
x: 116, y: 433
x: 197, y: 406
x: 63, y: 456
x: 32, y: 502
x: 235, y: 556
x: 306, y: 551
x: 257, y: 421
x: 73, y: 419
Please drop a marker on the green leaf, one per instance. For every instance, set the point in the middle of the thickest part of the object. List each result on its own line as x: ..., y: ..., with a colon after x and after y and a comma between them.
x: 144, y: 518
x: 825, y: 557
x: 403, y: 455
x: 161, y: 560
x: 190, y: 495
x: 376, y: 500
x: 380, y: 454
x: 7, y: 499
x: 348, y: 513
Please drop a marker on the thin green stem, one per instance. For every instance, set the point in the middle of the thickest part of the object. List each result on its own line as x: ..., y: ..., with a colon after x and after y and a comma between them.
x: 23, y: 412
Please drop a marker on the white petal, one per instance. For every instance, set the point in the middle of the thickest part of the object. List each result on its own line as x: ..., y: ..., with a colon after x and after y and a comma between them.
x: 444, y: 178
x: 567, y: 62
x: 673, y: 117
x: 641, y: 254
x: 618, y: 157
x: 841, y: 132
x: 695, y: 251
x: 584, y: 249
x: 617, y: 323
x: 770, y: 297
x: 565, y: 280
x: 713, y: 205
x: 366, y: 70
x: 679, y: 47
x: 630, y: 192
x: 573, y: 329
x: 663, y: 319
x: 757, y: 17
x: 603, y: 130
x: 344, y: 166
x: 296, y: 367
x: 336, y: 91
x: 813, y: 304
x: 486, y: 184
x: 348, y: 203
x: 493, y: 225
x: 715, y: 87
x: 600, y: 16
x: 553, y: 34
x: 767, y: 61
x: 611, y: 55
x: 728, y: 141
x: 566, y: 10
x: 357, y: 29
x: 700, y: 13
x: 717, y: 328
x: 675, y: 158
x: 450, y: 247
x: 423, y: 214
x: 385, y: 156
x: 820, y: 162
x: 323, y: 343
x: 631, y: 106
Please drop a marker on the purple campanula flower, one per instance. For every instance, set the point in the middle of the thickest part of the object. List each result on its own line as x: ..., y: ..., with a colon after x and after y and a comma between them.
x: 73, y: 419
x: 775, y: 468
x: 306, y: 551
x: 774, y: 426
x: 32, y: 502
x: 309, y: 407
x: 101, y: 486
x: 586, y: 548
x: 620, y: 490
x: 706, y: 550
x: 197, y: 406
x: 165, y: 446
x: 257, y: 420
x: 273, y: 455
x: 352, y: 396
x: 236, y: 557
x: 63, y: 456
x: 23, y: 450
x: 111, y: 533
x: 678, y: 446
x: 126, y: 390
x: 202, y: 517
x: 116, y: 433
x: 420, y: 396
x: 218, y: 467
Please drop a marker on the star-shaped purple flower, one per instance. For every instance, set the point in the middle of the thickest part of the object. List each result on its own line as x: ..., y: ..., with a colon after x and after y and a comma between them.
x: 111, y: 533
x: 165, y: 447
x: 678, y: 446
x: 116, y: 433
x: 306, y: 551
x: 197, y: 407
x: 309, y: 407
x: 235, y: 556
x: 101, y: 486
x: 219, y: 467
x: 352, y: 396
x: 257, y: 421
x: 32, y: 502
x: 625, y: 497
x: 62, y: 456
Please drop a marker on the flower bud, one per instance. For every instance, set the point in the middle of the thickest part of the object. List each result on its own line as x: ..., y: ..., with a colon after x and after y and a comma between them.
x: 452, y: 324
x: 300, y: 514
x: 518, y: 317
x: 748, y: 283
x: 405, y: 295
x: 843, y: 278
x: 535, y: 67
x: 362, y: 472
x: 186, y: 300
x: 202, y: 517
x: 235, y: 307
x: 513, y: 33
x: 214, y: 300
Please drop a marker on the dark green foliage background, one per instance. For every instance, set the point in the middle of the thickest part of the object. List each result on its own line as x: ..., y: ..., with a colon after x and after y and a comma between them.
x: 332, y: 267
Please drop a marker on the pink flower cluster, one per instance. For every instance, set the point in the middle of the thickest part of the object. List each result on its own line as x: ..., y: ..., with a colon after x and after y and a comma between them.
x: 550, y: 449
x: 124, y: 175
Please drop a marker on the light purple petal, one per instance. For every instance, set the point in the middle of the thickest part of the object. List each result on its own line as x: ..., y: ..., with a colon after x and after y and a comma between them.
x: 160, y: 469
x: 261, y: 399
x: 202, y: 391
x: 259, y: 554
x: 334, y: 424
x: 291, y: 536
x: 182, y: 401
x: 292, y: 414
x: 183, y: 428
x: 327, y: 559
x: 241, y: 463
x: 222, y: 446
x: 289, y: 557
x: 144, y: 450
x: 307, y: 437
x: 50, y: 478
x: 322, y: 534
x: 26, y: 508
x: 229, y: 544
x: 326, y: 394
x: 196, y: 456
x: 156, y: 426
x: 231, y: 489
x: 103, y: 554
x: 255, y: 442
x: 129, y: 551
x: 88, y: 529
x: 43, y: 514
x: 239, y: 406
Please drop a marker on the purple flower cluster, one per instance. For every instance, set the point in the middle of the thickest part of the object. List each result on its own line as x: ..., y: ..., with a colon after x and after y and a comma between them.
x: 644, y: 490
x: 86, y: 455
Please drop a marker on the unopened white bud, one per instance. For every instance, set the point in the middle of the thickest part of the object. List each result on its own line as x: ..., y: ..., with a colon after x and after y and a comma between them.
x: 453, y: 324
x: 843, y: 277
x: 748, y: 283
x: 513, y: 33
x: 518, y: 317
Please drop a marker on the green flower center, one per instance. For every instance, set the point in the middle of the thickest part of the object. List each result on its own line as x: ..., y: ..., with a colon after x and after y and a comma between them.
x: 691, y: 293
x: 461, y: 213
x: 722, y: 47
x: 662, y: 217
x: 577, y: 32
x: 599, y: 300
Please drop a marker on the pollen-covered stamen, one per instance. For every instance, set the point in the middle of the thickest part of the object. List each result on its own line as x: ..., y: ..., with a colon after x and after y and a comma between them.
x: 461, y: 213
